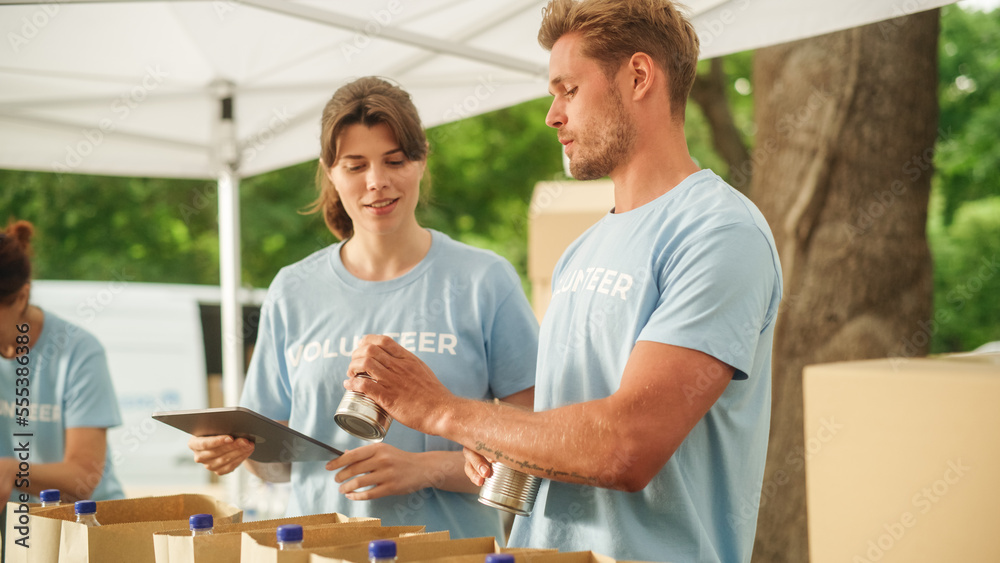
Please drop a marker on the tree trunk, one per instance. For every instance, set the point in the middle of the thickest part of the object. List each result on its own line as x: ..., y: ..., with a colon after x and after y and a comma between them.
x: 846, y: 125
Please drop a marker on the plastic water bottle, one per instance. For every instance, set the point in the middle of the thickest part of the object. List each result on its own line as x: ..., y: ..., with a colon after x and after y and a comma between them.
x: 499, y: 558
x: 86, y: 512
x: 50, y: 497
x: 289, y: 537
x: 382, y: 551
x: 201, y: 524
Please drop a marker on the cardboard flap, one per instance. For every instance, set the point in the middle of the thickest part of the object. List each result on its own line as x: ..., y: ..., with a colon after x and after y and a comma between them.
x: 260, y: 546
x: 155, y: 509
x: 415, y: 548
x: 223, y: 546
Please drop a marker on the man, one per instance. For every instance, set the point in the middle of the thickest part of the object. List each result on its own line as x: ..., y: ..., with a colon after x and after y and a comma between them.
x: 653, y: 381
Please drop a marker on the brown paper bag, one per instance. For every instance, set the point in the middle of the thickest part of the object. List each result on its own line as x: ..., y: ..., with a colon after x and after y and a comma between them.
x: 261, y: 546
x: 127, y: 526
x: 36, y: 541
x: 223, y: 546
x: 411, y: 550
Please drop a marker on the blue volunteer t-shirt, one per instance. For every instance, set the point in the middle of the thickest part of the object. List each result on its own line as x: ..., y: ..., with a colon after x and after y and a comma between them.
x: 69, y: 387
x: 695, y: 268
x: 461, y: 310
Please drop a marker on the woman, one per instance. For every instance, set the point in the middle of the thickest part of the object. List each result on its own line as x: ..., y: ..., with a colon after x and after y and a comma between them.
x: 68, y: 402
x: 460, y: 309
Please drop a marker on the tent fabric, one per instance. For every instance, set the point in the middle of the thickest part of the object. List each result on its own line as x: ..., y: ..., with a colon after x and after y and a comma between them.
x: 133, y: 87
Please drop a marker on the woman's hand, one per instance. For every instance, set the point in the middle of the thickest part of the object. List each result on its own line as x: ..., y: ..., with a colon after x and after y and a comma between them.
x: 220, y: 454
x: 391, y: 471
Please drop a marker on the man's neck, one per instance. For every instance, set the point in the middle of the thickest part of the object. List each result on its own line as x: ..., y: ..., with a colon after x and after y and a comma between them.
x: 658, y: 165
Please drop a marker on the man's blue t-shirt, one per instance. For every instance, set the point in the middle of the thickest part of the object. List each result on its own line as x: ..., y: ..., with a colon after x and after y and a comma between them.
x: 461, y: 310
x: 69, y: 387
x: 695, y: 268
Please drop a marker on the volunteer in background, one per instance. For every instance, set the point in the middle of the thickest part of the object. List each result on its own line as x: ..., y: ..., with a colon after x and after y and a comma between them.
x: 69, y: 397
x: 461, y: 309
x: 654, y: 373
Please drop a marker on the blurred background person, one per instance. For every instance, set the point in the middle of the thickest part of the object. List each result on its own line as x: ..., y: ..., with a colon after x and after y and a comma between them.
x: 70, y: 401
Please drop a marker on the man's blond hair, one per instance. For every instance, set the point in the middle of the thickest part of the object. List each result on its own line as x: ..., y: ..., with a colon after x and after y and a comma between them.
x: 614, y: 30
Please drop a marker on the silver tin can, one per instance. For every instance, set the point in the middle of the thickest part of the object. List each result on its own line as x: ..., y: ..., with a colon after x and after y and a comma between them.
x: 510, y: 490
x: 360, y: 416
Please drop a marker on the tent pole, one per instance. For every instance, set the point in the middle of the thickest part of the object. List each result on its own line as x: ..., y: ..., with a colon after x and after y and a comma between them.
x: 229, y: 259
x: 229, y: 264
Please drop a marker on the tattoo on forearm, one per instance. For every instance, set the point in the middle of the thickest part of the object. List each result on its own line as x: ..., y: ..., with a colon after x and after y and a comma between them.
x: 550, y: 472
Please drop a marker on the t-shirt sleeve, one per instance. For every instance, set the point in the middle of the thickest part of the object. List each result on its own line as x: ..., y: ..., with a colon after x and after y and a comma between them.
x: 267, y: 389
x: 512, y: 341
x: 715, y: 293
x: 89, y: 400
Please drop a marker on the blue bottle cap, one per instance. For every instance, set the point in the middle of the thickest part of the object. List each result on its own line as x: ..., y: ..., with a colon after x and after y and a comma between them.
x: 289, y: 533
x: 85, y: 507
x: 382, y: 549
x: 499, y: 558
x: 201, y: 522
x: 50, y: 495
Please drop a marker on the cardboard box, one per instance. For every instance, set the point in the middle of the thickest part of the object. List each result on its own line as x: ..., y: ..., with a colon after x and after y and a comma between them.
x: 223, y: 546
x: 261, y: 546
x: 559, y: 213
x: 127, y: 526
x: 902, y: 458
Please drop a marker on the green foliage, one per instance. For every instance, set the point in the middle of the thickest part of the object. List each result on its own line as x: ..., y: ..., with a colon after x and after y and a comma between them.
x: 966, y: 275
x: 739, y: 93
x: 483, y: 170
x: 964, y: 218
x: 275, y: 230
x: 107, y: 228
x: 968, y: 162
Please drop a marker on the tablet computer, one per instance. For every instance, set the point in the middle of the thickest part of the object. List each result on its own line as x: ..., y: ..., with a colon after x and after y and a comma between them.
x: 273, y: 441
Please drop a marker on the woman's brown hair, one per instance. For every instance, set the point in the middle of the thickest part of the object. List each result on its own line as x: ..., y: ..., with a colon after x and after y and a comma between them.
x: 367, y: 101
x: 15, y: 259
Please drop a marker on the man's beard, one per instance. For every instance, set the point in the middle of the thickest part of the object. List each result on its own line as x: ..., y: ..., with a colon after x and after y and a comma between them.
x: 616, y: 138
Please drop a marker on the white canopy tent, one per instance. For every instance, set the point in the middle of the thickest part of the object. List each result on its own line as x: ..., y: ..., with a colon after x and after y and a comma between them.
x: 229, y: 88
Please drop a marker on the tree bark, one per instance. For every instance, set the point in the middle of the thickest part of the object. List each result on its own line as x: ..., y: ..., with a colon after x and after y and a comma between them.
x: 846, y: 125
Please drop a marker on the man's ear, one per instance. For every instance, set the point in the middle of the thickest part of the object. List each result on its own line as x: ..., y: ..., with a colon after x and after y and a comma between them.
x: 642, y: 75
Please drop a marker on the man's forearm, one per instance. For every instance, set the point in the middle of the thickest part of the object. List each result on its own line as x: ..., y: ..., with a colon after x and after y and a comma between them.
x: 576, y: 444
